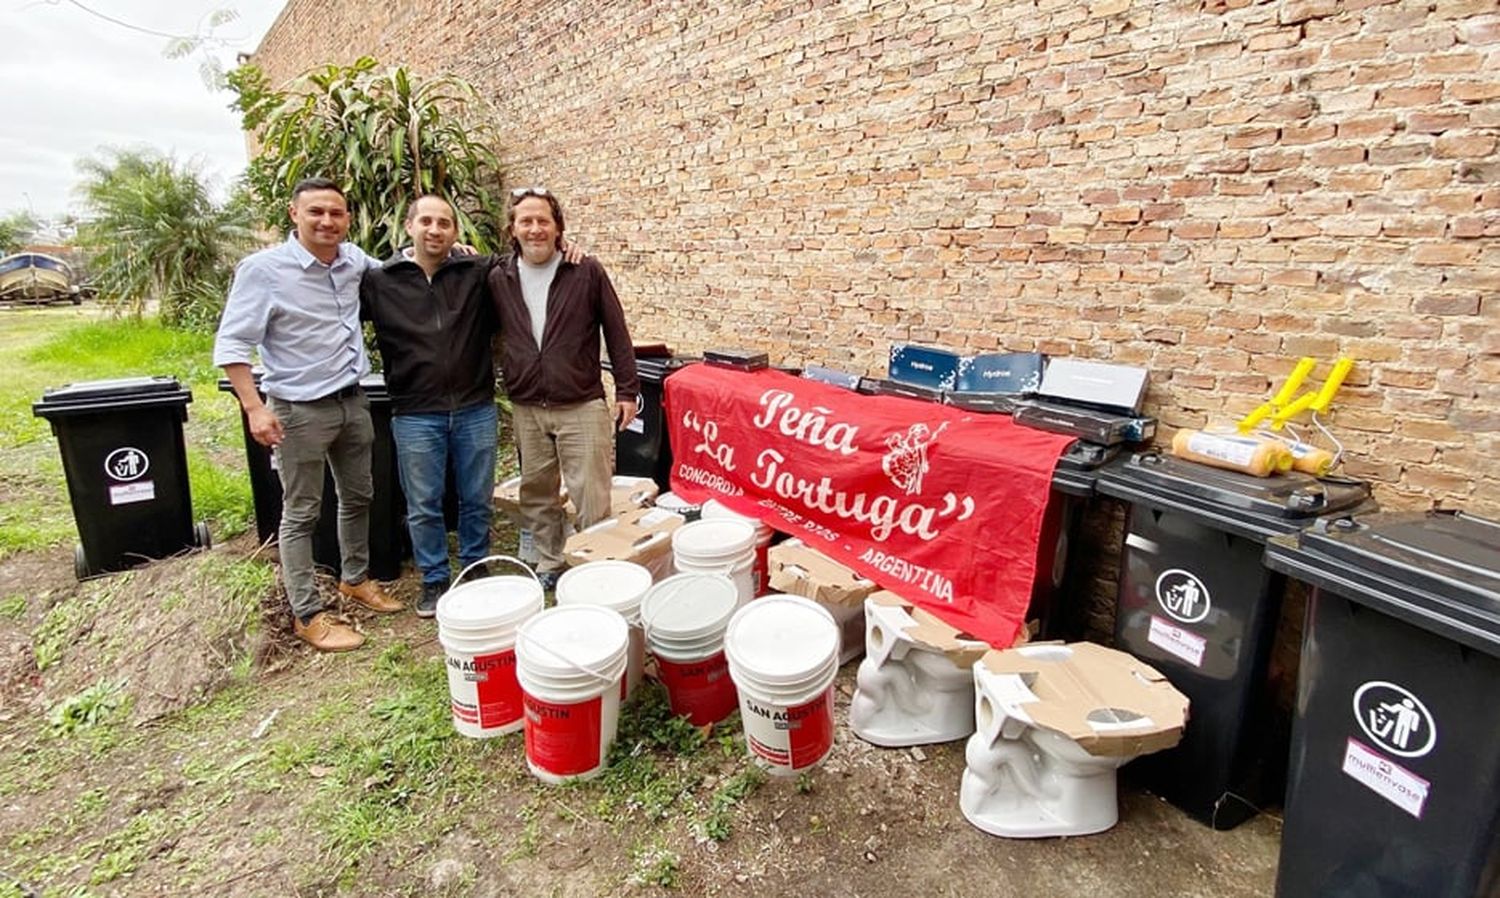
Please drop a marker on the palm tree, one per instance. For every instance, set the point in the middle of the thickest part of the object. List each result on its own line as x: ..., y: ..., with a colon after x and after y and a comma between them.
x: 157, y: 233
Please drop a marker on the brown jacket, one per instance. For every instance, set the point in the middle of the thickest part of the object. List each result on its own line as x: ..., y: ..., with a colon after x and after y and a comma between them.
x: 565, y: 371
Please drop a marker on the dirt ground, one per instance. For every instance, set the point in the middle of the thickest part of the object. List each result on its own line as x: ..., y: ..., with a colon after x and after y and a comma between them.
x: 231, y: 774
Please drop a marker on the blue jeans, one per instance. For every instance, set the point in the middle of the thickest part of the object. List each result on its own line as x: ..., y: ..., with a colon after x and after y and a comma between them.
x: 426, y: 446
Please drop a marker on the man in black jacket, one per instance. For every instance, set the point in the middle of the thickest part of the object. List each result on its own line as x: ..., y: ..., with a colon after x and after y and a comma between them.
x: 434, y: 323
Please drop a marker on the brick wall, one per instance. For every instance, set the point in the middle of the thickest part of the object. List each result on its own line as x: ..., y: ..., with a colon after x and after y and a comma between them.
x: 1209, y: 189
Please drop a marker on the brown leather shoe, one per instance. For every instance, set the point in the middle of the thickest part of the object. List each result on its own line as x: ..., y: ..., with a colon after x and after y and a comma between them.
x: 327, y: 635
x: 369, y: 594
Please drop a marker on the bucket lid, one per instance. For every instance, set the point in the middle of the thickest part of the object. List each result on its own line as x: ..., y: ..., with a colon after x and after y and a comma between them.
x: 715, y: 510
x: 782, y: 639
x: 1436, y: 570
x: 570, y: 638
x: 687, y: 606
x: 613, y: 584
x: 492, y: 601
x: 721, y: 538
x: 674, y: 502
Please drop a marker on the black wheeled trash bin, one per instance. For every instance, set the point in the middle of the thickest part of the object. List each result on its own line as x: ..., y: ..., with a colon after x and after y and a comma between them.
x: 642, y: 448
x: 389, y: 542
x: 1196, y: 602
x: 1394, y: 786
x: 126, y: 467
x: 1058, y: 603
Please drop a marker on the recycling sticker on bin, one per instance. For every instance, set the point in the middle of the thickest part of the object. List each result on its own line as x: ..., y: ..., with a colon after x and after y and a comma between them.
x: 126, y: 466
x: 1185, y: 600
x: 1398, y: 723
x: 939, y: 505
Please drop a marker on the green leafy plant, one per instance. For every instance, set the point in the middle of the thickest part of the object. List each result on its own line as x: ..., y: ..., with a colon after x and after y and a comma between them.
x: 15, y: 230
x: 156, y: 233
x: 719, y: 823
x: 385, y: 135
x: 92, y: 707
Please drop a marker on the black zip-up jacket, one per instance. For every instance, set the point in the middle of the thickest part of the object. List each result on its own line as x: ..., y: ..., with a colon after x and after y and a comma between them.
x: 434, y: 337
x: 565, y: 370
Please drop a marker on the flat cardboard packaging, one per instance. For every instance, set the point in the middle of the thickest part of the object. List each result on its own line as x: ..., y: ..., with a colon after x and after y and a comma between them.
x: 1060, y: 689
x: 798, y: 569
x: 625, y: 493
x: 936, y: 634
x: 641, y: 535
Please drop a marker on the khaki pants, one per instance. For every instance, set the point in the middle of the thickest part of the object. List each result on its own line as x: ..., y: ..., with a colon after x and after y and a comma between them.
x: 577, y: 443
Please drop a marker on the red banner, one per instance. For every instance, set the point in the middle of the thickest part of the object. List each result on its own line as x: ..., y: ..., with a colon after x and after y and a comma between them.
x: 939, y: 505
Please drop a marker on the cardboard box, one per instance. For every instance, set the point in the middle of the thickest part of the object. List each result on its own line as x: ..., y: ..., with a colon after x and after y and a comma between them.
x: 1079, y: 690
x: 641, y: 535
x: 508, y: 500
x: 1001, y: 372
x: 795, y: 568
x: 930, y: 631
x: 625, y: 493
x: 925, y: 366
x: 832, y: 376
x: 1115, y: 387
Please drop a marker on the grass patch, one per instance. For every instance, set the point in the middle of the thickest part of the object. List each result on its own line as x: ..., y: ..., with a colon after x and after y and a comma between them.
x: 45, y: 348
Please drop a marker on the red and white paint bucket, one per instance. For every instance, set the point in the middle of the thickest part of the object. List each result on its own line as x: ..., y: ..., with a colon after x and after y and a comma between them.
x: 684, y: 617
x: 619, y: 585
x: 783, y: 654
x: 760, y: 569
x: 477, y: 624
x: 721, y: 546
x: 571, y: 661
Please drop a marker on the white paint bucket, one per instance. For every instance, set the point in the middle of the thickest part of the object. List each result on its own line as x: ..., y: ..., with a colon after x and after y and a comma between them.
x: 477, y: 623
x: 783, y: 654
x: 721, y: 546
x: 684, y: 617
x: 619, y: 585
x: 690, y: 511
x: 760, y: 570
x: 570, y: 661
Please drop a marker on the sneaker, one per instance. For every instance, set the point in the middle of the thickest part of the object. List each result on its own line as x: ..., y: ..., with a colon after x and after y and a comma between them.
x: 369, y: 594
x: 327, y: 635
x: 548, y: 579
x: 427, y: 604
x: 479, y: 571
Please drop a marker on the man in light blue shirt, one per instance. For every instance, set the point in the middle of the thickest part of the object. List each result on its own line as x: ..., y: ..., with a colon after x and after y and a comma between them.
x: 298, y: 303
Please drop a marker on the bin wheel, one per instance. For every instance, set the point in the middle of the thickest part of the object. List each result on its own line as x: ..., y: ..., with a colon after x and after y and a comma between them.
x: 80, y: 563
x: 201, y: 536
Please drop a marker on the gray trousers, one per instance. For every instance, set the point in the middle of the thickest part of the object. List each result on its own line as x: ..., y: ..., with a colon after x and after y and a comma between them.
x: 339, y: 432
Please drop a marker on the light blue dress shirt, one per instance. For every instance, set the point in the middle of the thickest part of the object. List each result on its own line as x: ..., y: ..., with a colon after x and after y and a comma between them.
x: 302, y: 315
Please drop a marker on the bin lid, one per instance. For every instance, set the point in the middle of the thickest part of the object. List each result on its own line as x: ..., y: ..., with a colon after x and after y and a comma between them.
x: 103, y: 395
x: 1078, y: 467
x: 374, y: 387
x: 1437, y: 570
x: 1255, y: 507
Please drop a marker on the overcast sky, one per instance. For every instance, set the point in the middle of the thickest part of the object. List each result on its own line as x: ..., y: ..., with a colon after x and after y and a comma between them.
x: 71, y: 83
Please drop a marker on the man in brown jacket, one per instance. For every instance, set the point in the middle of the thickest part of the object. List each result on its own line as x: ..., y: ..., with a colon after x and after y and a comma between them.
x: 551, y: 313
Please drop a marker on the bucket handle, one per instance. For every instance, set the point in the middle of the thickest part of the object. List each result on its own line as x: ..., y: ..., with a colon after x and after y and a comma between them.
x: 512, y: 559
x: 566, y: 660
